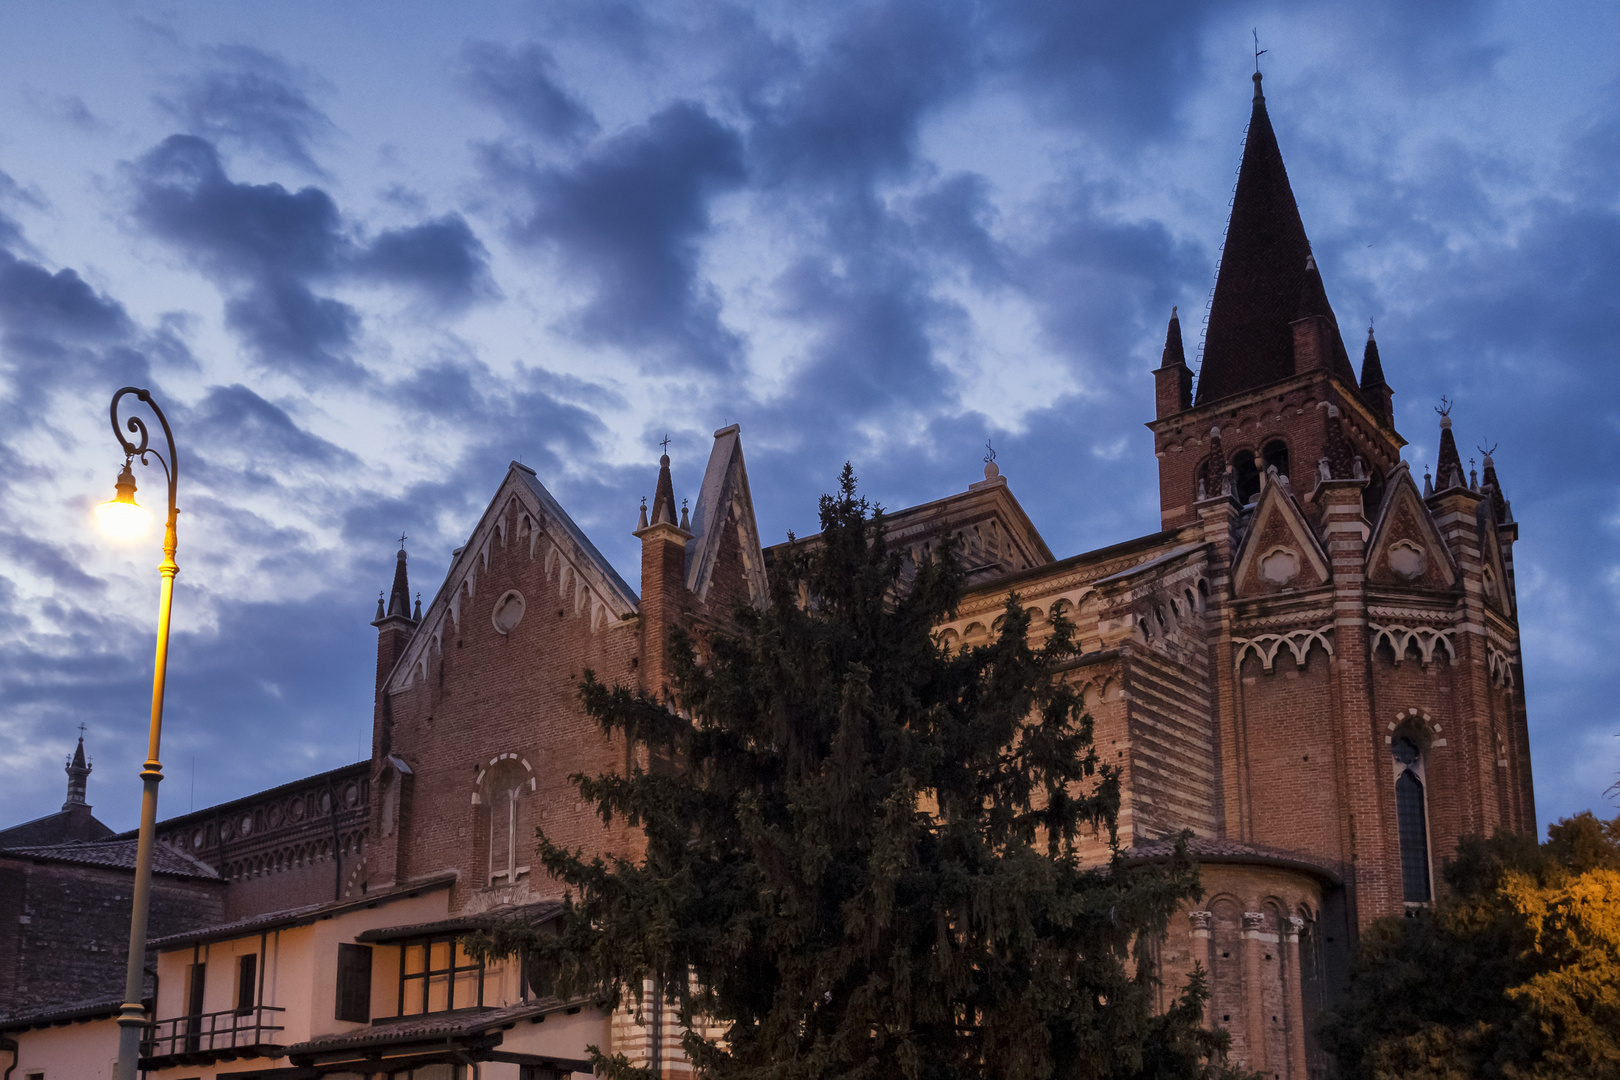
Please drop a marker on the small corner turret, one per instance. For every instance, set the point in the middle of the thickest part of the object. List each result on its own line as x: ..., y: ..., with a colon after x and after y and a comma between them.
x: 1173, y: 381
x: 394, y: 621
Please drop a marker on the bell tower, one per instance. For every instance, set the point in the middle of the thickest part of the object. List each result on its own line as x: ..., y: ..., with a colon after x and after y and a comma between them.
x: 1274, y: 386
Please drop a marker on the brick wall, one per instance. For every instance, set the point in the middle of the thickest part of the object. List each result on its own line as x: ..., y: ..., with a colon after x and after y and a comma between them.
x: 65, y: 934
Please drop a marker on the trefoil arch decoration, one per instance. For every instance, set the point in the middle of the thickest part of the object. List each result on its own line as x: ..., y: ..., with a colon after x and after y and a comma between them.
x: 1266, y: 646
x: 1426, y: 638
x: 1500, y: 666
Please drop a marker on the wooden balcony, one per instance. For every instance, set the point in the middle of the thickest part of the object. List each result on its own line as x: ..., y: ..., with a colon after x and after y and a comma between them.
x: 218, y: 1036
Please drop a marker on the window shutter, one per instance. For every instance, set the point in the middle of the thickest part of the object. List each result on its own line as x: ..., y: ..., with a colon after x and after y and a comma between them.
x: 354, y: 983
x: 247, y: 973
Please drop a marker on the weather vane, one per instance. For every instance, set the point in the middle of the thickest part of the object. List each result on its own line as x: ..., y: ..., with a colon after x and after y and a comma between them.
x: 1258, y: 51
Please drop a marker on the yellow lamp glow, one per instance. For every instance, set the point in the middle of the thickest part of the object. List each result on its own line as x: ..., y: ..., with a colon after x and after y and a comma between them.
x: 121, y: 516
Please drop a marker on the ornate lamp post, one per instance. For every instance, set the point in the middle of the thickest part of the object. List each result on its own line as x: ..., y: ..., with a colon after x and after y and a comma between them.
x: 122, y: 516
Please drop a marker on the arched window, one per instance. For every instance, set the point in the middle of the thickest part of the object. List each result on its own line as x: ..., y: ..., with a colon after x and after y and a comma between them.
x: 1275, y: 453
x: 503, y: 796
x: 1245, y: 477
x: 1411, y: 817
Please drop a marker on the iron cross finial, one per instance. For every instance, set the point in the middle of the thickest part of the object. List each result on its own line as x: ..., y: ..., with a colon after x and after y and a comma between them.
x: 989, y: 452
x: 1444, y: 408
x: 402, y: 539
x: 1258, y: 51
x: 81, y: 729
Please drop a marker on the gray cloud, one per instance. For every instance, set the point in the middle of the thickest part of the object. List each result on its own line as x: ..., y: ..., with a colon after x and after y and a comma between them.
x: 521, y: 84
x: 628, y: 217
x: 252, y: 100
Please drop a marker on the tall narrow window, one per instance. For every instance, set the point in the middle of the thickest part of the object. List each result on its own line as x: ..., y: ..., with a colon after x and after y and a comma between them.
x: 510, y: 835
x: 1411, y: 819
x: 1245, y: 476
x: 247, y: 973
x: 1275, y: 453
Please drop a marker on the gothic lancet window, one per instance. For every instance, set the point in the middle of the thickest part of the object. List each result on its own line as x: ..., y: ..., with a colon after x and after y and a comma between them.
x: 507, y: 811
x: 1276, y: 453
x: 1245, y: 477
x: 1412, y: 823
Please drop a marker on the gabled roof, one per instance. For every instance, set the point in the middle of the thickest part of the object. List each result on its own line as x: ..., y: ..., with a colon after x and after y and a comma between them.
x: 301, y: 916
x: 1279, y: 528
x: 591, y: 578
x: 1012, y: 547
x: 116, y: 855
x: 528, y: 914
x: 724, y: 498
x: 1264, y: 282
x: 1404, y: 516
x: 73, y: 823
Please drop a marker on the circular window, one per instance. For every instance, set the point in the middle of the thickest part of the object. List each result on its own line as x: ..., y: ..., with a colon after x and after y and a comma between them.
x: 508, y: 611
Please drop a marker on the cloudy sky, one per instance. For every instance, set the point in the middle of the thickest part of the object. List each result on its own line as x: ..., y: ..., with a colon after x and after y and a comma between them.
x: 368, y: 254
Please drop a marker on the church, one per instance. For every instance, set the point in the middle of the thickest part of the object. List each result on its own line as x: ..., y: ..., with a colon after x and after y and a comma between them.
x: 1313, y: 665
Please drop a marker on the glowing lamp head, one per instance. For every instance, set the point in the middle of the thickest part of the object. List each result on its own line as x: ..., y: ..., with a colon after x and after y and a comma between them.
x: 121, y: 516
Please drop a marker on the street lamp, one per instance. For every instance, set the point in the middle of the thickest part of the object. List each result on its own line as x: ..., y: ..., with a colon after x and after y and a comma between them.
x: 126, y: 519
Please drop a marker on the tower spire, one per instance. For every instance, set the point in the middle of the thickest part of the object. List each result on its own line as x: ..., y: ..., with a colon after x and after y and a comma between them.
x: 663, y: 507
x: 1449, y: 473
x: 1265, y: 278
x: 78, y: 772
x: 399, y: 597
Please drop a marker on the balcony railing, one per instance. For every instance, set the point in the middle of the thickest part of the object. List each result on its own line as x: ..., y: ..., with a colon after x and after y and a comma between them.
x: 214, y: 1033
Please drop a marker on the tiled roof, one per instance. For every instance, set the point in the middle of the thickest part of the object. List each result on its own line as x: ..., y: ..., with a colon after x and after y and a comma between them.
x: 1220, y: 849
x: 118, y: 855
x: 524, y: 913
x: 62, y: 1013
x: 298, y: 916
x: 433, y: 1026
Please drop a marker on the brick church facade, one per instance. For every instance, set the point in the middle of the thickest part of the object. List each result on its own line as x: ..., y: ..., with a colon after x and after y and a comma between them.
x: 1313, y: 665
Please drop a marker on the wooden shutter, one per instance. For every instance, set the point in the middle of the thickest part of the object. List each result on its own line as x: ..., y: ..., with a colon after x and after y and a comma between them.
x: 354, y: 983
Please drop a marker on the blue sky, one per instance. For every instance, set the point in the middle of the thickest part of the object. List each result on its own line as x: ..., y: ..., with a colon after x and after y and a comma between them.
x: 368, y: 254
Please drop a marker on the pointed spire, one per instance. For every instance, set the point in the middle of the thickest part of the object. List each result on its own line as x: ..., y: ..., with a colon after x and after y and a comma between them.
x: 1174, y: 354
x: 1372, y: 369
x: 78, y: 772
x: 1263, y: 275
x: 1493, y: 487
x: 1173, y: 380
x: 399, y: 598
x: 641, y: 522
x: 381, y: 612
x: 1449, y: 473
x: 416, y: 616
x: 686, y: 521
x: 663, y: 508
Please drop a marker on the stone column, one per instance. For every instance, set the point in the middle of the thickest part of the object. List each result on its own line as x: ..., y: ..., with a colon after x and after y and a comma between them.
x: 1254, y: 1006
x: 1298, y: 1069
x: 1202, y: 942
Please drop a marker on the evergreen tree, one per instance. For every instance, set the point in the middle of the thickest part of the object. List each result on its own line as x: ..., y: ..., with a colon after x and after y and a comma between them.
x: 862, y: 849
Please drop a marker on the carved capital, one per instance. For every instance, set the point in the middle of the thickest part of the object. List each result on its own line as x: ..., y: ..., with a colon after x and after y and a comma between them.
x: 1200, y: 920
x: 1296, y: 926
x: 1253, y: 921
